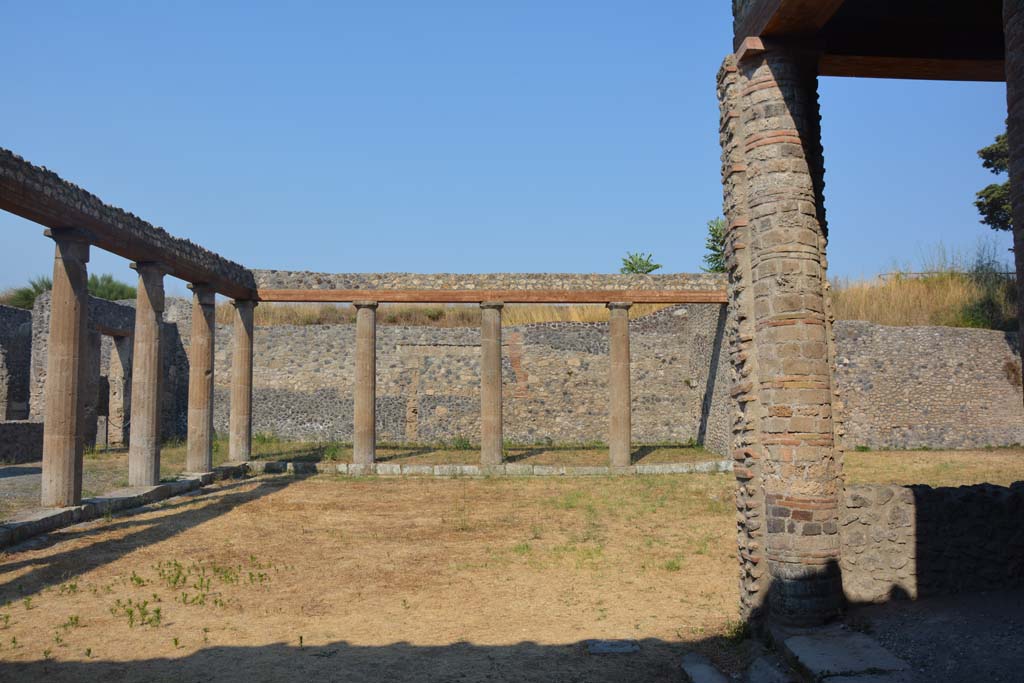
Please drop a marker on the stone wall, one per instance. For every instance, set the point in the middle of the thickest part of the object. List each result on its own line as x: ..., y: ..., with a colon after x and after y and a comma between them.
x: 934, y: 387
x: 555, y: 380
x: 283, y: 279
x: 15, y: 359
x: 20, y: 441
x: 916, y: 541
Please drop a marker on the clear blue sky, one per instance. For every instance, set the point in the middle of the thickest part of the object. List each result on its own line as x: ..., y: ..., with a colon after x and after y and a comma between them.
x: 450, y: 136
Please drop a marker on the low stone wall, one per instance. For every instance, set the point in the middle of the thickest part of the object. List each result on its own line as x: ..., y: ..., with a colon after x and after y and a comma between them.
x: 20, y: 441
x: 287, y: 279
x: 918, y: 541
x: 928, y: 387
x: 15, y: 359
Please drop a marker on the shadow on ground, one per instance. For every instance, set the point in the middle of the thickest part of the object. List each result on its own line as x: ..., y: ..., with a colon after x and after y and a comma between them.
x: 342, y: 661
x: 142, y: 532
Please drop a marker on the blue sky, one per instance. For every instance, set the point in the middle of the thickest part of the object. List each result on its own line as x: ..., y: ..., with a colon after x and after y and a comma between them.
x: 450, y: 136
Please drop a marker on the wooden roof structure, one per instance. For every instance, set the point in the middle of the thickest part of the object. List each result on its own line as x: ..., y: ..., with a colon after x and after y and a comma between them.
x: 921, y: 39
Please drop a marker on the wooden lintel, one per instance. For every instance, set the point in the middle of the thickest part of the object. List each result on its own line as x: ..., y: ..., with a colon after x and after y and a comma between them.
x: 912, y: 68
x: 473, y: 296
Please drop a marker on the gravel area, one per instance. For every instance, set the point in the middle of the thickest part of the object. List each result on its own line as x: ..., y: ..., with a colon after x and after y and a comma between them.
x: 970, y: 637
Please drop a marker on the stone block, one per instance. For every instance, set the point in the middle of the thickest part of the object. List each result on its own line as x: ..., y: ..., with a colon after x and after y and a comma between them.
x: 446, y: 470
x: 515, y: 469
x: 422, y: 470
x: 388, y: 469
x: 548, y: 471
x: 587, y: 471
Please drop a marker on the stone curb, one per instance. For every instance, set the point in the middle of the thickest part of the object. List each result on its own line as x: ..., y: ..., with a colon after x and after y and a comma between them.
x: 384, y: 469
x: 38, y: 521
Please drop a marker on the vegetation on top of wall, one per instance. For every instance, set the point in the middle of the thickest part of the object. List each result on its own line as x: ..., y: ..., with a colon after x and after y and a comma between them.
x: 714, y: 259
x: 100, y: 286
x: 638, y: 264
x: 949, y: 289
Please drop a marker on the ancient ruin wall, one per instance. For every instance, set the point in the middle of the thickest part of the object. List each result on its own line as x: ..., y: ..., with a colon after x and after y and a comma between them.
x: 555, y: 380
x: 15, y: 357
x: 918, y: 541
x: 928, y: 387
x: 282, y: 279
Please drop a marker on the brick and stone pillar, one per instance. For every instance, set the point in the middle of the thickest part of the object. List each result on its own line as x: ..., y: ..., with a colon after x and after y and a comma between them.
x: 147, y: 377
x: 364, y: 429
x: 240, y: 420
x: 620, y: 428
x: 199, y: 456
x: 746, y: 441
x: 63, y: 425
x: 1013, y: 30
x: 492, y: 444
x: 789, y: 331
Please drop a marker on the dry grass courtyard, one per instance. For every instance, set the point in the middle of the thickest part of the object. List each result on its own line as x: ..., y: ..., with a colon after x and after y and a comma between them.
x: 331, y: 578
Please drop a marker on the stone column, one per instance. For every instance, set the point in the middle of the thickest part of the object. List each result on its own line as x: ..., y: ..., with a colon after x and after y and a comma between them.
x: 620, y: 428
x: 63, y: 424
x: 240, y: 421
x: 147, y: 377
x: 119, y: 407
x: 200, y: 381
x: 1013, y: 30
x: 491, y: 434
x: 802, y: 467
x: 364, y: 428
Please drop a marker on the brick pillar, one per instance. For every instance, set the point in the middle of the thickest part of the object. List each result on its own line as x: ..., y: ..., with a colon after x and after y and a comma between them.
x: 1013, y: 30
x: 240, y: 420
x: 364, y: 428
x: 147, y: 377
x: 199, y: 456
x: 63, y: 424
x: 746, y: 441
x: 491, y: 421
x: 800, y: 467
x: 620, y: 423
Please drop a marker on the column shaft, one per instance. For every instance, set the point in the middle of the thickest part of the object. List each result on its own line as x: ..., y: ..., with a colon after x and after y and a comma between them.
x: 364, y: 428
x: 802, y: 468
x: 491, y: 433
x: 620, y: 428
x: 147, y: 378
x: 200, y: 381
x: 1013, y: 30
x: 240, y: 421
x: 63, y: 428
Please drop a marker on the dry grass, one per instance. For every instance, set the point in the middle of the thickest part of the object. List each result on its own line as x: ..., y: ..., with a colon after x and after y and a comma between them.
x: 1001, y: 466
x: 453, y: 315
x: 374, y: 579
x: 939, y: 299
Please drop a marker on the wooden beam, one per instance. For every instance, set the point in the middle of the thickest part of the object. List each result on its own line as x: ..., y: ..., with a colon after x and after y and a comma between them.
x: 512, y: 296
x: 39, y: 195
x: 784, y: 18
x: 912, y: 68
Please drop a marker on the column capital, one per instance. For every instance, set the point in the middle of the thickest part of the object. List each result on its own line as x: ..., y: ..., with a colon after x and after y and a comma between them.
x: 498, y: 305
x: 150, y: 268
x: 619, y: 305
x: 68, y: 235
x: 205, y: 293
x: 365, y: 303
x: 245, y: 303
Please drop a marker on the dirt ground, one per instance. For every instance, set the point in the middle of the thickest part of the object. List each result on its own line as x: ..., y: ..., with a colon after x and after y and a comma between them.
x: 375, y: 579
x: 332, y: 578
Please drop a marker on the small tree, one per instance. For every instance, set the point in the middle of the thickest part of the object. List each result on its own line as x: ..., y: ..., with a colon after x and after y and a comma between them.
x: 25, y: 297
x: 638, y: 263
x: 714, y: 259
x: 100, y: 286
x: 993, y: 202
x: 106, y: 287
